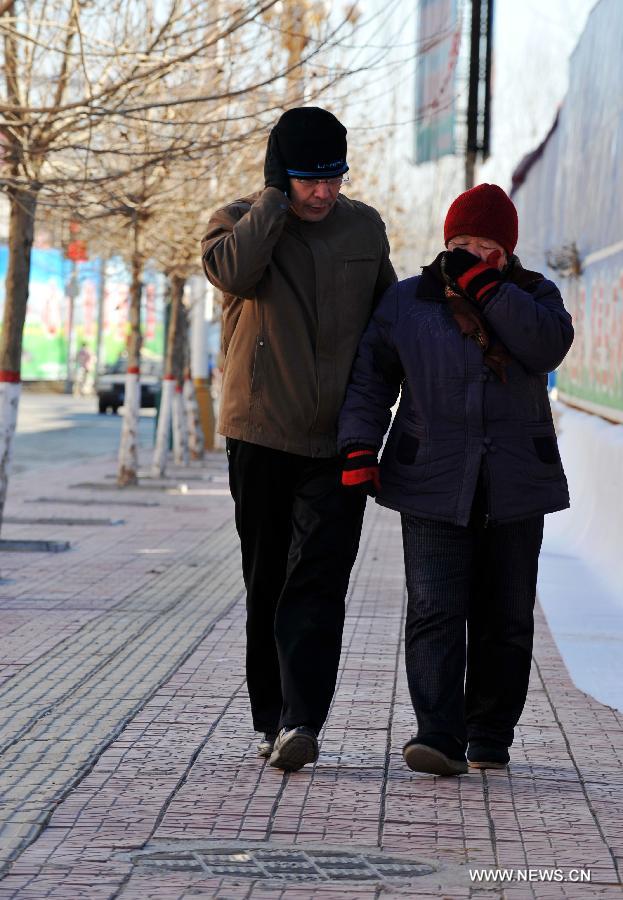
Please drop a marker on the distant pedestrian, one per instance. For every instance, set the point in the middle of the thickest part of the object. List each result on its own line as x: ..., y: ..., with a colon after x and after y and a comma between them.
x: 83, y: 385
x: 301, y: 267
x: 472, y: 464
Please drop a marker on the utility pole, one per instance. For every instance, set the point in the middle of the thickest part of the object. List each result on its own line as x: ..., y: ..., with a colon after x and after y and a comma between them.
x: 76, y: 251
x: 479, y: 94
x: 72, y: 293
x: 101, y: 297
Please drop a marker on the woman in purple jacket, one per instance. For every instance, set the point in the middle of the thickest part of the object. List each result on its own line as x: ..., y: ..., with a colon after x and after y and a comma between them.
x: 471, y: 463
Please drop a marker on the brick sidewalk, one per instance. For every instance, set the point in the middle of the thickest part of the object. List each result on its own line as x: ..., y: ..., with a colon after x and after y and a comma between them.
x: 128, y: 766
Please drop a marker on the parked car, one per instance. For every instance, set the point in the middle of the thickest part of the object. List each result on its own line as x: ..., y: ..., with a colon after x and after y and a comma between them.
x: 110, y: 385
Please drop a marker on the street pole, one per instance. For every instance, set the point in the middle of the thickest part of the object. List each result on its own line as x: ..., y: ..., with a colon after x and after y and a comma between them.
x: 486, y: 127
x: 479, y: 93
x: 72, y: 294
x: 472, y: 97
x: 100, y: 316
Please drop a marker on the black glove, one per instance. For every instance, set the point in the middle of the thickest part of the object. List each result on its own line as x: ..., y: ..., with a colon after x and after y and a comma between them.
x: 275, y: 174
x: 477, y: 279
x: 361, y: 471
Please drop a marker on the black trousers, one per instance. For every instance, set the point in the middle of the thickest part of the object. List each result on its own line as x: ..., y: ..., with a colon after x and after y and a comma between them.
x: 480, y: 580
x: 299, y: 532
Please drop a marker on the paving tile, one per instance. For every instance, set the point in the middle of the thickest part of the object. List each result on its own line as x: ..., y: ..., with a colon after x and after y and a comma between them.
x: 125, y: 729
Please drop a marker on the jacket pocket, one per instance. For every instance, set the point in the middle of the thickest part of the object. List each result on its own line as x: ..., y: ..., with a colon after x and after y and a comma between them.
x: 360, y: 257
x: 406, y: 453
x: 256, y: 417
x: 543, y: 449
x: 258, y: 365
x: 407, y: 449
x: 546, y: 449
x: 360, y: 272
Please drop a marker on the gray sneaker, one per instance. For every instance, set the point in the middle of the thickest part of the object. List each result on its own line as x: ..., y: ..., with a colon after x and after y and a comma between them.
x: 294, y: 748
x: 265, y: 746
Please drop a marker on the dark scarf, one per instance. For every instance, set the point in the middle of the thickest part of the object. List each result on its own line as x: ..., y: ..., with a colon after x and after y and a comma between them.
x: 467, y: 313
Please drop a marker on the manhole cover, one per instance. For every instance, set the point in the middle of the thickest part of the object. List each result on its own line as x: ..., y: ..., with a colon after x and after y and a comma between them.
x: 284, y: 864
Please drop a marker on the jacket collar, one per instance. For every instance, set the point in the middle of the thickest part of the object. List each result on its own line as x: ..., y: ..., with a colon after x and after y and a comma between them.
x: 523, y: 278
x: 431, y: 283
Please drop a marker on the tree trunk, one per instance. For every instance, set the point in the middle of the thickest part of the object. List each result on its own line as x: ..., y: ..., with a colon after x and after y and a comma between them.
x: 9, y: 402
x: 21, y: 230
x: 199, y: 366
x: 128, y: 449
x: 180, y: 428
x: 196, y: 440
x: 165, y: 416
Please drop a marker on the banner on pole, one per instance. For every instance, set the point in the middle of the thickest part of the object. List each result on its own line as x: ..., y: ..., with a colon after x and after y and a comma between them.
x: 439, y: 39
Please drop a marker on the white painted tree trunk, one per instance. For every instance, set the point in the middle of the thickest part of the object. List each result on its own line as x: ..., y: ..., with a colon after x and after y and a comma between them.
x: 161, y: 451
x: 195, y: 431
x: 9, y: 401
x: 180, y: 429
x: 127, y: 472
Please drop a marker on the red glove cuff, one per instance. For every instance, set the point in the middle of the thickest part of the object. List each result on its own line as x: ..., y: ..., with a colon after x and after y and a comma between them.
x: 360, y: 468
x: 360, y: 476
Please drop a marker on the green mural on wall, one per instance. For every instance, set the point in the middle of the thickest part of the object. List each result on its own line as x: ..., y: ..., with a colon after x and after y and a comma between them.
x: 45, y: 345
x: 593, y: 369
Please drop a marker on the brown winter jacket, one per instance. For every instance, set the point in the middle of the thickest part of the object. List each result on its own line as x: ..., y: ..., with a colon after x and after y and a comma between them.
x: 297, y: 298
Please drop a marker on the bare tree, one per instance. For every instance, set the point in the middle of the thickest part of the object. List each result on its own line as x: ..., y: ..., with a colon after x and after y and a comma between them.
x: 64, y: 82
x: 103, y: 100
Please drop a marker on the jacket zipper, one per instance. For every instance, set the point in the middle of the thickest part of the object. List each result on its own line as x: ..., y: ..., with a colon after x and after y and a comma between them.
x: 487, y: 484
x: 485, y: 464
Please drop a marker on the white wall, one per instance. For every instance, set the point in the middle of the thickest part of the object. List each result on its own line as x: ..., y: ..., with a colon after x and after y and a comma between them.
x: 581, y: 567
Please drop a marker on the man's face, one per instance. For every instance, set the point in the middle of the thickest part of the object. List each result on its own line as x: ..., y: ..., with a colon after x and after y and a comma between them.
x: 488, y: 250
x: 313, y: 199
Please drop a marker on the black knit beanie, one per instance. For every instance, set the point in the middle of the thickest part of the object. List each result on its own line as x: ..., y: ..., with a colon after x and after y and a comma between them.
x: 312, y: 143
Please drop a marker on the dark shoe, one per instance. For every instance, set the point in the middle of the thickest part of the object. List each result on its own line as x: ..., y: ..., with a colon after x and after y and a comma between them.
x: 265, y: 746
x: 487, y: 756
x: 294, y: 748
x: 435, y: 755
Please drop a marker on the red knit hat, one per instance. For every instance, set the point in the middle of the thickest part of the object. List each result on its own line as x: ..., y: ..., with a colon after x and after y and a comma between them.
x: 484, y: 211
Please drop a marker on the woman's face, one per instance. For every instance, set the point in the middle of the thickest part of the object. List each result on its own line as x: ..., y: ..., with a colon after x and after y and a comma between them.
x: 488, y: 250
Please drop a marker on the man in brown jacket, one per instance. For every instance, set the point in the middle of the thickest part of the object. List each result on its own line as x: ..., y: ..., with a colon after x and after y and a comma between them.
x: 301, y: 267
